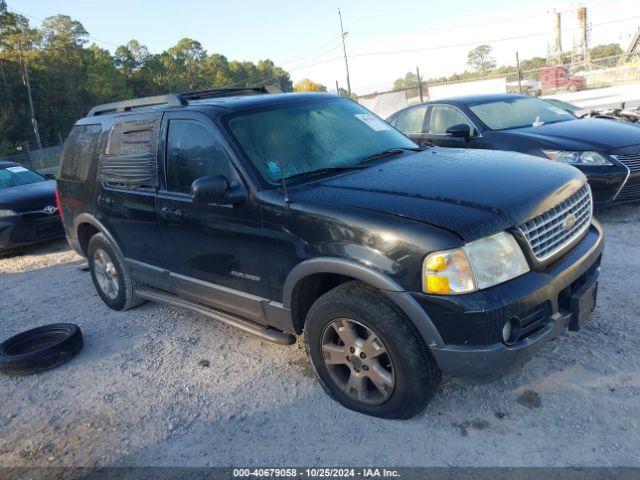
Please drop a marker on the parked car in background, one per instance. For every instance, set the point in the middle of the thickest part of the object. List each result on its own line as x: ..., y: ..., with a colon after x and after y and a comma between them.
x: 28, y: 210
x: 607, y: 152
x: 290, y: 213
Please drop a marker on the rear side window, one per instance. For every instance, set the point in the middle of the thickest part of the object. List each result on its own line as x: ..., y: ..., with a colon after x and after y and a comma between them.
x: 193, y: 152
x: 411, y: 121
x: 80, y: 149
x: 129, y: 159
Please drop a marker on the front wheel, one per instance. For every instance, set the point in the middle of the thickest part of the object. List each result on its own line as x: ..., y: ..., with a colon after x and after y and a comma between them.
x: 367, y: 354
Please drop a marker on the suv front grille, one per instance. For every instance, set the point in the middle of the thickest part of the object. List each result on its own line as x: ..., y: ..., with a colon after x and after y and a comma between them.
x: 550, y: 232
x: 632, y: 161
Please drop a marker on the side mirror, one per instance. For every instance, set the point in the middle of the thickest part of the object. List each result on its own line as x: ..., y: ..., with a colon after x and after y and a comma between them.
x: 461, y: 130
x: 216, y: 189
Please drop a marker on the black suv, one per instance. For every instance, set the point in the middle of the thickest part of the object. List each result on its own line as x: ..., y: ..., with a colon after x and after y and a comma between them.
x: 288, y: 213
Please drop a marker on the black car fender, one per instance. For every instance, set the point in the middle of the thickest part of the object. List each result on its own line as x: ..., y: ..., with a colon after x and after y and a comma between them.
x: 387, y: 287
x: 92, y: 220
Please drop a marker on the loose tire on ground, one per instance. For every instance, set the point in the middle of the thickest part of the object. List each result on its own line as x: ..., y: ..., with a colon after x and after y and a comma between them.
x: 401, y: 375
x: 110, y: 275
x: 40, y: 349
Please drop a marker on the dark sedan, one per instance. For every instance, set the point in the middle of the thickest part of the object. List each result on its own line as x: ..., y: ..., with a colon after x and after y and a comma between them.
x: 28, y: 211
x: 607, y: 152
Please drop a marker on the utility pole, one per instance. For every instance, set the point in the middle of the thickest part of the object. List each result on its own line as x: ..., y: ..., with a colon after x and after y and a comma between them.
x: 344, y: 50
x: 27, y: 84
x: 337, y: 88
x: 519, y: 73
x: 419, y: 83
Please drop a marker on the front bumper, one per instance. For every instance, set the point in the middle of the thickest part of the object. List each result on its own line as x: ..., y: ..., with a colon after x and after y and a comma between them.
x: 541, y: 300
x: 613, y: 185
x: 24, y: 230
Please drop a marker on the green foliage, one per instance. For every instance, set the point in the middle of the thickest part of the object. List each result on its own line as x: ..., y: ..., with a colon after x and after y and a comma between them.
x: 480, y: 59
x: 606, y: 55
x: 68, y: 77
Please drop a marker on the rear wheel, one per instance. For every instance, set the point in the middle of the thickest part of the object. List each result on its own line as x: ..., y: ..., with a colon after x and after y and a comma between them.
x: 110, y: 275
x: 367, y: 354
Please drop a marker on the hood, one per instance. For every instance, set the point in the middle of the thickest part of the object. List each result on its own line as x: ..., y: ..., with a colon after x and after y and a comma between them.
x: 582, y: 134
x: 32, y: 196
x: 472, y: 193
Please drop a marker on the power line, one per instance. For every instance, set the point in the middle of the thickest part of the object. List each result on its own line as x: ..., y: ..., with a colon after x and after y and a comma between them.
x: 493, y: 22
x: 477, y: 42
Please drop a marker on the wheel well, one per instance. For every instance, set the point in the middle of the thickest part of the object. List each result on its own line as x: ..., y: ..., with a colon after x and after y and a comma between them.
x: 85, y: 232
x: 308, y: 290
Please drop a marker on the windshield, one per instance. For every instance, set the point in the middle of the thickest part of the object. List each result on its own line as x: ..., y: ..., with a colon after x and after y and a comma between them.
x: 518, y: 112
x: 16, y: 175
x: 319, y: 135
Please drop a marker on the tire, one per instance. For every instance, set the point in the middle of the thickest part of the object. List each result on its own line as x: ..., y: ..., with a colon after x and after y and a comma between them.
x: 40, y: 349
x: 118, y: 290
x: 405, y: 372
x: 572, y: 87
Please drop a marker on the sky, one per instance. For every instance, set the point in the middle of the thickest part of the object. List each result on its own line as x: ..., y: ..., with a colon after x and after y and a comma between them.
x: 384, y: 40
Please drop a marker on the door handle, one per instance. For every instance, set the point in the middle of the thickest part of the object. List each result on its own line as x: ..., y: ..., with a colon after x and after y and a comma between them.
x: 171, y: 212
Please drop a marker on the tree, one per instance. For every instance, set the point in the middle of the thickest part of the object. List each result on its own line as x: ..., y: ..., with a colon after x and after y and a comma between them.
x: 480, y: 59
x: 410, y: 80
x: 307, y: 85
x: 606, y: 55
x: 68, y: 77
x: 131, y: 57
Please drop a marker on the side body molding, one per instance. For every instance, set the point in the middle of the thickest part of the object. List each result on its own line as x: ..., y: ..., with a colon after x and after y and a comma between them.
x: 387, y: 286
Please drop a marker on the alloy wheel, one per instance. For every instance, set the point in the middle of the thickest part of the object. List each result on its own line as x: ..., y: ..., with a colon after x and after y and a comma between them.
x: 358, y: 361
x: 106, y: 274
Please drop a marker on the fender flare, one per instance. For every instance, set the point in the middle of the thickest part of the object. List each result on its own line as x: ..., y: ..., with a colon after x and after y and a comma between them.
x: 90, y: 219
x: 387, y: 286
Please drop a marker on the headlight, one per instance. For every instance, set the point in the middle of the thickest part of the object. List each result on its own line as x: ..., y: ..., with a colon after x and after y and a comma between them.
x: 7, y: 213
x: 578, y: 158
x: 479, y: 264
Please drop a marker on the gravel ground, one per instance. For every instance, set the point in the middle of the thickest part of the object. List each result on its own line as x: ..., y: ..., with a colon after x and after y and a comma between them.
x: 140, y: 394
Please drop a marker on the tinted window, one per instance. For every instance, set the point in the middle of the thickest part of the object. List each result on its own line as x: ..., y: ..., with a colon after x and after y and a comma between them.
x: 445, y: 116
x: 15, y: 175
x: 411, y: 121
x: 301, y: 138
x: 79, y: 152
x: 518, y: 112
x: 193, y: 152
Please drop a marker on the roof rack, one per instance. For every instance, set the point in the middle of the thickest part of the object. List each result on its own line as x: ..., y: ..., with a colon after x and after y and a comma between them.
x: 178, y: 99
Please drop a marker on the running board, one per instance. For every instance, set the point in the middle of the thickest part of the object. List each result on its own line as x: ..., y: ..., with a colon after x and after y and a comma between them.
x: 266, y: 333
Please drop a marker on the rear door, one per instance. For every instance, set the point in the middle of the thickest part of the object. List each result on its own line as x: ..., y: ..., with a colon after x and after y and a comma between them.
x: 440, y: 118
x: 127, y: 182
x: 213, y: 254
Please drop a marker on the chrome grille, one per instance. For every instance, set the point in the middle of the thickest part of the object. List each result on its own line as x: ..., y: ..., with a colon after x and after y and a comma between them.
x: 550, y: 232
x: 632, y: 161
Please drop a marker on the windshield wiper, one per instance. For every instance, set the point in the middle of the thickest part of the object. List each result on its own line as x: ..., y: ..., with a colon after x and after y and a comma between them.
x: 389, y: 152
x: 320, y: 171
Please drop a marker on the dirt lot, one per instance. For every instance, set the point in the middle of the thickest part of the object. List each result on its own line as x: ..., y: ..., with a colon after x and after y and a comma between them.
x: 136, y: 394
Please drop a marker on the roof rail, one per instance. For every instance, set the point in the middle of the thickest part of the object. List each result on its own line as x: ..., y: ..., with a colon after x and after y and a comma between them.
x: 178, y: 99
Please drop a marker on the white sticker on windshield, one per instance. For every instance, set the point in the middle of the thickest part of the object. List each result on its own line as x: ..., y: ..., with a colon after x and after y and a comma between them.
x: 374, y: 123
x: 17, y: 169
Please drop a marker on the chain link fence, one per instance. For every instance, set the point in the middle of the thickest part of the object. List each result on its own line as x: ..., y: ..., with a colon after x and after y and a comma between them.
x: 45, y: 160
x: 601, y: 76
